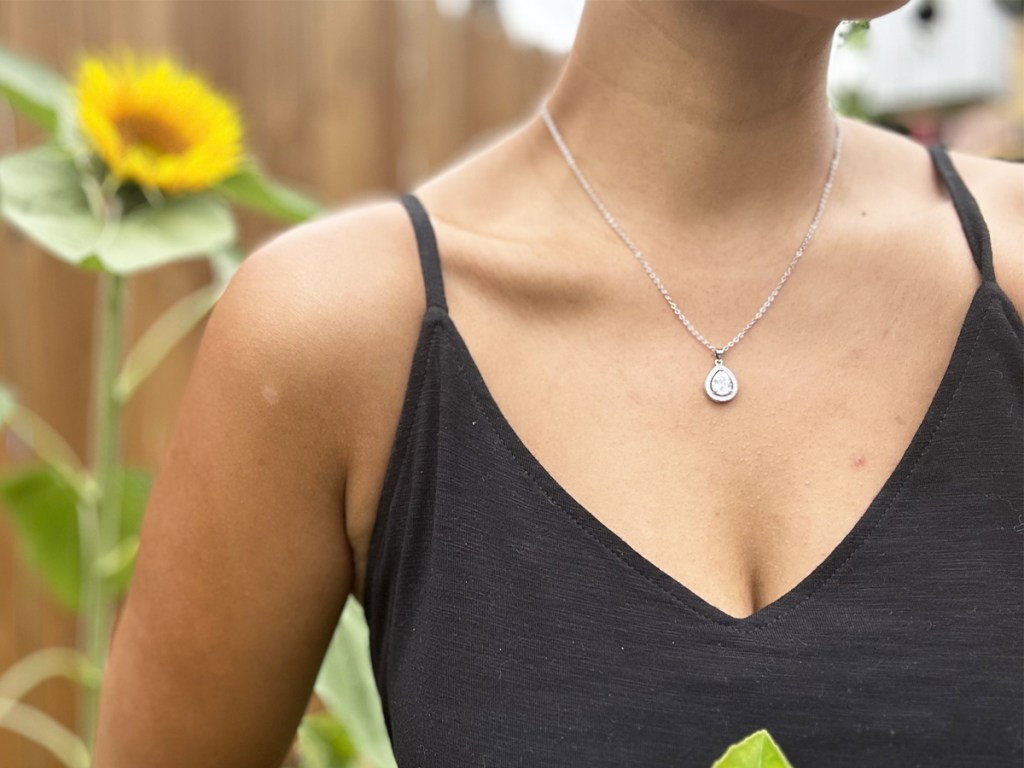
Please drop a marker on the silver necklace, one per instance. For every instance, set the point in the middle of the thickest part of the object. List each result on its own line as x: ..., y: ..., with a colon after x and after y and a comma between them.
x: 720, y: 384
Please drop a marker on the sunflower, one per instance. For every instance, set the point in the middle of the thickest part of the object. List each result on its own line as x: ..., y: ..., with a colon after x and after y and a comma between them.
x: 156, y: 124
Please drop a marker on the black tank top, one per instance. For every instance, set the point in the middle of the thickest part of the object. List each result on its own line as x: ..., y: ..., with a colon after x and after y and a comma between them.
x: 510, y: 627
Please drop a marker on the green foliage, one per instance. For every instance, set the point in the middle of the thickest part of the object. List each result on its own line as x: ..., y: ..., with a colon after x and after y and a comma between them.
x: 253, y: 189
x: 324, y: 743
x: 167, y: 330
x: 6, y: 404
x: 37, y: 92
x: 854, y: 34
x: 42, y: 506
x: 41, y: 194
x: 851, y: 104
x: 78, y: 526
x: 758, y: 750
x: 347, y: 687
x: 61, y: 197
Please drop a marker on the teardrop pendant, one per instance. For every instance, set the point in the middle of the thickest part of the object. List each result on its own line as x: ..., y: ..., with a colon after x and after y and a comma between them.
x: 720, y: 383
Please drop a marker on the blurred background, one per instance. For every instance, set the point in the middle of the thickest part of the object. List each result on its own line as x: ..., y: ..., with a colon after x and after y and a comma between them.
x: 346, y: 99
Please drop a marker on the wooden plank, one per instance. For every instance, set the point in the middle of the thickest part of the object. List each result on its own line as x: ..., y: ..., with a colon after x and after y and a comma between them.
x: 446, y: 113
x: 349, y: 71
x: 46, y: 343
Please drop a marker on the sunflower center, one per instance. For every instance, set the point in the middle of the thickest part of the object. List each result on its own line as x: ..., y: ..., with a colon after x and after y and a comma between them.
x: 151, y: 133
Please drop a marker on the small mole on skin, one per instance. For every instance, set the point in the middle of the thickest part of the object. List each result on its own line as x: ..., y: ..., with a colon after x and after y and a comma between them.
x: 863, y: 213
x: 270, y: 394
x: 859, y: 460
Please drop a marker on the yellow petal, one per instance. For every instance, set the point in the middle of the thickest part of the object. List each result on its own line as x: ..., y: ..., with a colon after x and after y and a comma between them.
x: 156, y: 124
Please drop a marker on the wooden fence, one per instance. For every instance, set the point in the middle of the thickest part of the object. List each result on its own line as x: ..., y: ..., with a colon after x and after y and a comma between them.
x: 343, y: 98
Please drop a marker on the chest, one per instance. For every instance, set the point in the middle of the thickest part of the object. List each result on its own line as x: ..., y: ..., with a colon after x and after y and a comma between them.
x: 495, y: 590
x: 593, y: 378
x: 737, y: 502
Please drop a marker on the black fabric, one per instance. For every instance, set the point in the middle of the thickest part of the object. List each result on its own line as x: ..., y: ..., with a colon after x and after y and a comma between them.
x: 510, y: 627
x: 429, y: 258
x: 967, y: 208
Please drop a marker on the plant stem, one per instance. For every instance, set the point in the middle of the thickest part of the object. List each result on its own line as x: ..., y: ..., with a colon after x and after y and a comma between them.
x: 29, y: 671
x: 39, y: 727
x: 104, y: 532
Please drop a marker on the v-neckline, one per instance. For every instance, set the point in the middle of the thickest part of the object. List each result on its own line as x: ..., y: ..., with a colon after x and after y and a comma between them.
x: 661, y: 580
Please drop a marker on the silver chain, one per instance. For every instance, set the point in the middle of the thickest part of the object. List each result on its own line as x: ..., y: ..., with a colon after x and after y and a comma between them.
x: 719, y: 351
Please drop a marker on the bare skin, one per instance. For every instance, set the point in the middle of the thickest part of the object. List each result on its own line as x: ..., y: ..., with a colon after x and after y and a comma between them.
x: 260, y: 519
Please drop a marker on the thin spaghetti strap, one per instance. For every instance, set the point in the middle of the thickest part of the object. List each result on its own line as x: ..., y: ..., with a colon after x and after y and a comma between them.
x: 971, y: 220
x: 427, y: 245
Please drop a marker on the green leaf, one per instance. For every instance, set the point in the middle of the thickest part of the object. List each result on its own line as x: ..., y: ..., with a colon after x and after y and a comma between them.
x: 91, y: 263
x: 854, y: 34
x: 346, y: 686
x: 324, y: 743
x: 253, y: 189
x: 45, y: 664
x: 41, y: 194
x: 42, y: 507
x: 181, y: 228
x: 758, y: 750
x: 37, y: 92
x: 35, y: 433
x: 7, y: 403
x: 117, y: 566
x: 162, y: 335
x: 224, y: 262
x: 34, y: 725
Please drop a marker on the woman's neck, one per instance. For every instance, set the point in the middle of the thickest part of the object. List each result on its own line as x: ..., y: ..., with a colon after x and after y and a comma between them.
x: 691, y: 112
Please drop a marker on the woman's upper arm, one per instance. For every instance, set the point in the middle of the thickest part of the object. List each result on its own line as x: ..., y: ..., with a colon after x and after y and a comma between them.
x: 244, y: 563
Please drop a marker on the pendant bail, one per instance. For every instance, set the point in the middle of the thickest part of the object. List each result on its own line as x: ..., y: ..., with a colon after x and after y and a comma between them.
x: 718, y: 356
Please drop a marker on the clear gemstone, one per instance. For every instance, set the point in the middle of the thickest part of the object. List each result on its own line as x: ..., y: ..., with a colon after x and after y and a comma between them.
x: 721, y: 383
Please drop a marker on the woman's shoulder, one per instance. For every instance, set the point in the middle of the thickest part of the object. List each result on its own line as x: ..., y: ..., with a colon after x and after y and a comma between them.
x: 243, y: 526
x: 997, y: 186
x: 333, y: 308
x: 334, y: 283
x: 333, y: 300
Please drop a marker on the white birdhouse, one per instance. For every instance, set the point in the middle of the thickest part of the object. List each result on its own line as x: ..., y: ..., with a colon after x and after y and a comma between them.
x: 928, y: 54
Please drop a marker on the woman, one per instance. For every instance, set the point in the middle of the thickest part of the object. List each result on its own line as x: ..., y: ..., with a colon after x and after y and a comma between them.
x: 474, y: 411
